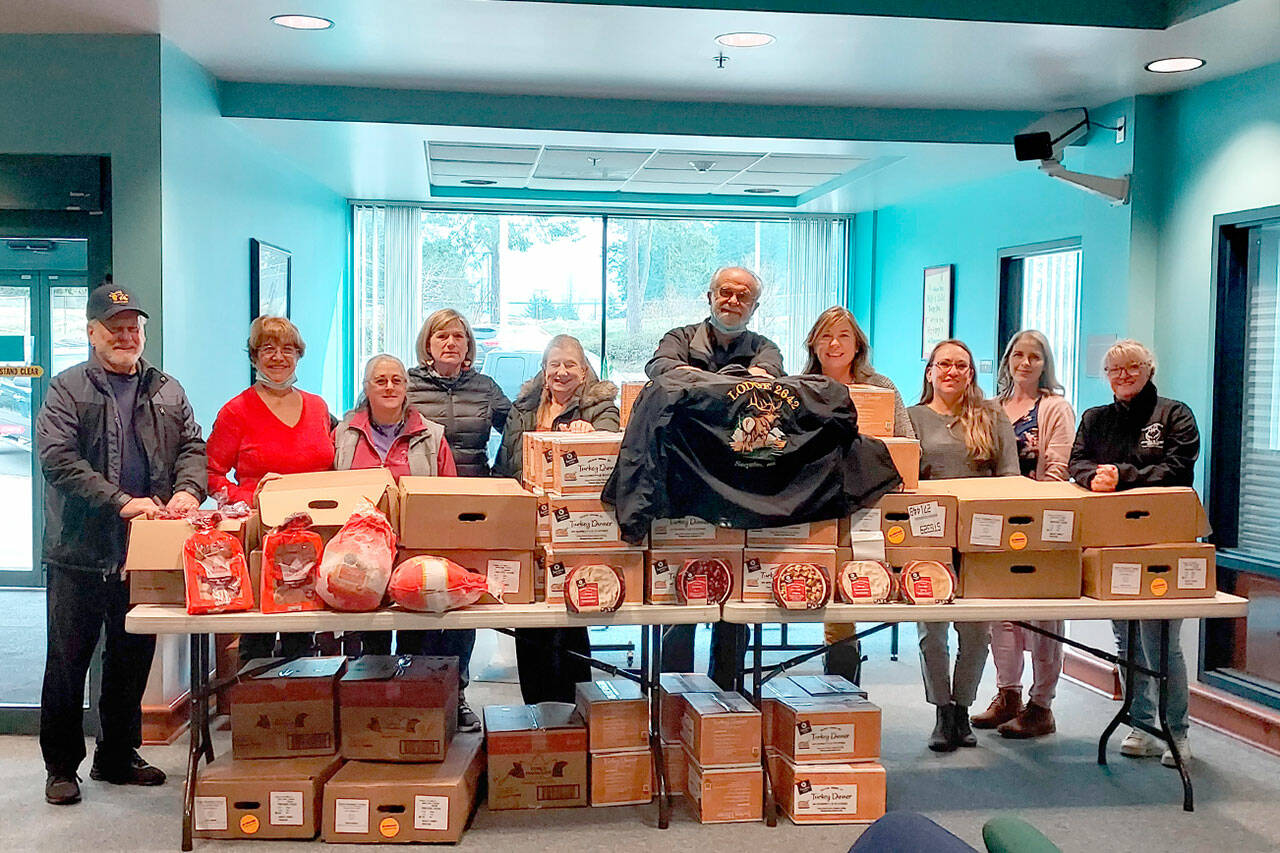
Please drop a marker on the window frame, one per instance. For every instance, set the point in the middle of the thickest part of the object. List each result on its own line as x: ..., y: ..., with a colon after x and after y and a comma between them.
x: 1009, y: 302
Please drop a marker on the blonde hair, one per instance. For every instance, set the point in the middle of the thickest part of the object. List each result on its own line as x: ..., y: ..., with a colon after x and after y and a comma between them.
x: 1048, y: 376
x: 1128, y: 347
x: 274, y: 330
x: 436, y: 322
x: 588, y: 375
x: 860, y: 370
x: 977, y: 418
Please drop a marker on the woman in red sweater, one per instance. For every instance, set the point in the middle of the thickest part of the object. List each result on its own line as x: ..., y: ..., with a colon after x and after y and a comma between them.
x: 269, y: 428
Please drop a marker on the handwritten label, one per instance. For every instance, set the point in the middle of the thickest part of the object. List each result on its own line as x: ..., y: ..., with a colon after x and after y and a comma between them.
x: 1193, y: 572
x: 928, y: 520
x: 505, y: 574
x: 431, y: 813
x: 286, y: 808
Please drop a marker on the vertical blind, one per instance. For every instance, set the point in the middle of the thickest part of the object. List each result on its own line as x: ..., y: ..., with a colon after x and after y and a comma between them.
x: 1050, y: 303
x: 1259, y: 525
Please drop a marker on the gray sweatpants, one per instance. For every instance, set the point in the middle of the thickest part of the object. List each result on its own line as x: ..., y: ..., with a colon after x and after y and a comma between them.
x: 940, y: 686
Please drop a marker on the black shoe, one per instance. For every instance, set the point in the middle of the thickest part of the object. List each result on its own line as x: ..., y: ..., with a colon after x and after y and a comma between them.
x: 961, y: 734
x: 941, y: 740
x: 62, y: 789
x: 133, y: 771
x: 467, y: 719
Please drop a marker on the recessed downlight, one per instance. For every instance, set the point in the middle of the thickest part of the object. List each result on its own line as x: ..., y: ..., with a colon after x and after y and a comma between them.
x: 760, y: 190
x: 745, y: 39
x: 478, y: 182
x: 302, y: 22
x: 1174, y: 64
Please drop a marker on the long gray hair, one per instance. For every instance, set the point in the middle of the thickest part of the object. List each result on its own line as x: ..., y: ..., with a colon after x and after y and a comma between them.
x: 1048, y: 377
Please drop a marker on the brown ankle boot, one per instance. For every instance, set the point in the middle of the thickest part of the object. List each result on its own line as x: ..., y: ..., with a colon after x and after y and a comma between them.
x: 1005, y: 707
x: 1034, y: 721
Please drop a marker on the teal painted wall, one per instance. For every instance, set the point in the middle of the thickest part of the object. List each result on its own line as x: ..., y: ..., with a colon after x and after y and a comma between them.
x: 96, y: 94
x: 220, y: 189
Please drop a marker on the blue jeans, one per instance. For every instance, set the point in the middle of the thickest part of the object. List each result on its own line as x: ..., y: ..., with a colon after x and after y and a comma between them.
x: 1145, y: 689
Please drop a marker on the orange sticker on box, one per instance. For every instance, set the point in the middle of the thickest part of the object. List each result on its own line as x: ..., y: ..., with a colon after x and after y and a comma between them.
x: 895, y: 535
x: 389, y: 827
x: 1018, y: 540
x: 249, y: 824
x: 1159, y: 586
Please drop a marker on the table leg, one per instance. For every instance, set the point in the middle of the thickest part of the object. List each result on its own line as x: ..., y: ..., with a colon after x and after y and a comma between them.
x: 1130, y: 673
x: 653, y: 668
x: 757, y: 652
x: 205, y: 663
x: 893, y: 642
x: 197, y: 733
x: 1188, y: 801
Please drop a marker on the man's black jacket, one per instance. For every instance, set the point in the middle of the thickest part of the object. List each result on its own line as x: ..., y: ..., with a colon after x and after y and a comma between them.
x: 744, y: 452
x: 1152, y: 441
x: 696, y: 346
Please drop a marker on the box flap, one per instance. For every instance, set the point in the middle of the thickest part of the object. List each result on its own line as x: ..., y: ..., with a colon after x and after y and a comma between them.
x: 834, y: 703
x: 323, y: 667
x: 523, y: 718
x: 402, y: 667
x: 707, y: 704
x: 1015, y: 487
x: 828, y: 685
x: 155, y: 544
x: 687, y: 682
x: 610, y: 690
x: 229, y: 769
x: 328, y: 496
x: 480, y: 486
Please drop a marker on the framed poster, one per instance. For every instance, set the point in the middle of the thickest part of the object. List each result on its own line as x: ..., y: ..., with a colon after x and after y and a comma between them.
x: 937, y: 306
x: 270, y: 270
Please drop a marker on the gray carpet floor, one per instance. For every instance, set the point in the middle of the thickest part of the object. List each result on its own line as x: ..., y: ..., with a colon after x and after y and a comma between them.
x: 1132, y: 805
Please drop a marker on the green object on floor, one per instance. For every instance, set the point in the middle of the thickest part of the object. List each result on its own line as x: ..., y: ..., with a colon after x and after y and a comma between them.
x: 1015, y: 835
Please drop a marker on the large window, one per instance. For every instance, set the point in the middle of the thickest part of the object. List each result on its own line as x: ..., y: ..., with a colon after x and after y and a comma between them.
x: 615, y: 283
x: 1040, y: 289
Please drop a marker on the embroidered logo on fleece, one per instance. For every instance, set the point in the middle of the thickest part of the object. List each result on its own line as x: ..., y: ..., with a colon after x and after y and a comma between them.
x: 1152, y: 437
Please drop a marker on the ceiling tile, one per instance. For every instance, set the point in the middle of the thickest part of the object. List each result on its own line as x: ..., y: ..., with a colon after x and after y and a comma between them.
x: 483, y: 153
x: 593, y: 163
x: 599, y: 185
x: 822, y: 165
x: 666, y: 159
x: 470, y: 169
x: 686, y: 176
x: 751, y: 179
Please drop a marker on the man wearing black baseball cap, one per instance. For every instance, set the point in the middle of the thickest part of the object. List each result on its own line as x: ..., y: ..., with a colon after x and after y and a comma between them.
x: 117, y: 439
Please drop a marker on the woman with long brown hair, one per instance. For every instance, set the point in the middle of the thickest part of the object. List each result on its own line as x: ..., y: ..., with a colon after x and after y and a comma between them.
x: 962, y: 434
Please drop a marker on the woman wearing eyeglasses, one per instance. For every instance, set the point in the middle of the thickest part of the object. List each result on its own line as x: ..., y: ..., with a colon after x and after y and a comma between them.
x: 962, y: 434
x: 1141, y: 439
x: 271, y: 427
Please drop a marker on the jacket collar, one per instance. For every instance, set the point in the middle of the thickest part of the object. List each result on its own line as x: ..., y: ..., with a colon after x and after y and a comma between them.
x: 358, y: 419
x: 1143, y: 403
x: 149, y: 377
x: 704, y: 343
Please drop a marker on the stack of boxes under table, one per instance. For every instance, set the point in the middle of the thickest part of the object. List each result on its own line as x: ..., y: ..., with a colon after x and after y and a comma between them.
x: 621, y: 768
x: 718, y: 759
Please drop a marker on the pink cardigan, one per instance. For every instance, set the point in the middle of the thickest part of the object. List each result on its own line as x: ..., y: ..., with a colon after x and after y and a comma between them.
x: 1057, y: 422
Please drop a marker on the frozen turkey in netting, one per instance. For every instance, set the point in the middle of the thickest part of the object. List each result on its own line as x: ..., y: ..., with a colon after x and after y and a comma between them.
x: 357, y: 562
x: 431, y: 584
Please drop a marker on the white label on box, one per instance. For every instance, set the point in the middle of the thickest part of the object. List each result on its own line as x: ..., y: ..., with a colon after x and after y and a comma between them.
x: 585, y: 527
x: 823, y: 739
x: 662, y: 581
x: 986, y: 530
x: 867, y: 546
x: 506, y: 574
x: 928, y: 520
x: 431, y: 813
x: 351, y: 816
x: 695, y: 784
x: 1126, y: 578
x: 687, y: 529
x: 1193, y: 572
x: 758, y: 576
x: 286, y: 808
x: 1058, y: 525
x: 825, y: 799
x: 589, y: 470
x: 790, y: 532
x: 865, y: 520
x: 211, y: 814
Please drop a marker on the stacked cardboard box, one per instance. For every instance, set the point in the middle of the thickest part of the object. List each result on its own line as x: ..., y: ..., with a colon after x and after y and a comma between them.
x: 630, y: 392
x: 675, y: 541
x: 770, y: 547
x: 620, y: 769
x: 153, y: 559
x: 720, y: 733
x: 537, y: 756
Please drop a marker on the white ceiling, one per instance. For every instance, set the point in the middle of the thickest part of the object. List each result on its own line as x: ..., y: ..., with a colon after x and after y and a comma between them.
x: 658, y: 53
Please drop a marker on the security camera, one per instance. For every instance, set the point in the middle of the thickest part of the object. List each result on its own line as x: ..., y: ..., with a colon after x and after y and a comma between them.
x: 1047, y: 139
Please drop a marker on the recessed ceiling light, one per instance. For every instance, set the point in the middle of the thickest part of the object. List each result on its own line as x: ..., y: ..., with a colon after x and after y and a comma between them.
x: 745, y: 39
x: 760, y: 190
x: 478, y: 182
x: 302, y: 22
x: 1174, y: 64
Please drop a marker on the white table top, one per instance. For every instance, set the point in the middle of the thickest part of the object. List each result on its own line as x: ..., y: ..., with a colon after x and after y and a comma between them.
x: 1222, y: 605
x: 174, y: 619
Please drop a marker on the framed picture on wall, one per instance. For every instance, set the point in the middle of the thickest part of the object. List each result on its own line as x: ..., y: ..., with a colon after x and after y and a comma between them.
x: 937, y: 306
x: 270, y: 271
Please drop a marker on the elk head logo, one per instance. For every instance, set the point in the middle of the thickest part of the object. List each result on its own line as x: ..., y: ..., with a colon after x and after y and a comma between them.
x: 759, y: 431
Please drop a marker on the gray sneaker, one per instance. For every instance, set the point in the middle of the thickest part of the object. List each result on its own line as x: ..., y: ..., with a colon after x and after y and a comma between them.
x: 467, y: 719
x: 62, y: 789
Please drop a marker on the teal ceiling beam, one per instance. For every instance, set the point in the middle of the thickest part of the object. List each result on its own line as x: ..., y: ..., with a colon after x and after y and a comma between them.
x: 608, y: 115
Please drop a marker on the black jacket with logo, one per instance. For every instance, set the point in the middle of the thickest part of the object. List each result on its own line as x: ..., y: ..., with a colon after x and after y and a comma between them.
x: 744, y: 452
x: 468, y: 406
x: 696, y: 346
x: 1152, y: 441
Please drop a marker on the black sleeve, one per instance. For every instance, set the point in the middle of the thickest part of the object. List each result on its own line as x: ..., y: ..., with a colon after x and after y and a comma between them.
x: 58, y: 445
x: 769, y: 358
x: 191, y: 468
x: 1083, y: 465
x: 499, y: 406
x: 1182, y: 448
x: 672, y: 352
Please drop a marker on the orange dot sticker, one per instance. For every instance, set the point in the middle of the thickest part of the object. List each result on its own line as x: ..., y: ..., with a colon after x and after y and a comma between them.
x: 1017, y: 540
x: 389, y: 827
x: 895, y: 535
x: 249, y: 824
x: 1159, y: 586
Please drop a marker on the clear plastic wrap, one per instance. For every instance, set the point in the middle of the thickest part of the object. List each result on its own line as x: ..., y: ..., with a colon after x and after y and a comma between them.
x: 594, y: 588
x: 357, y: 562
x: 866, y: 582
x: 801, y: 586
x: 928, y: 582
x: 435, y: 585
x: 704, y: 581
x: 291, y: 554
x: 216, y: 574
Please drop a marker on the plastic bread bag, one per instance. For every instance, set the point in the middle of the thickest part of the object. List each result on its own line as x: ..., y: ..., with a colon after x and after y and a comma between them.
x: 866, y: 582
x: 707, y: 581
x: 357, y: 562
x: 927, y: 582
x: 435, y: 585
x: 290, y: 555
x: 594, y: 588
x: 801, y: 586
x: 215, y: 571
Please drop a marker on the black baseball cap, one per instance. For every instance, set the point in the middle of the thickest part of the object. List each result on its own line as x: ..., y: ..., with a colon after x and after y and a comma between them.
x: 109, y: 300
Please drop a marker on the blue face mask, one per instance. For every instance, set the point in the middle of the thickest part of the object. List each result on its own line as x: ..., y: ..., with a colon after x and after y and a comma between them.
x: 276, y: 386
x: 725, y: 329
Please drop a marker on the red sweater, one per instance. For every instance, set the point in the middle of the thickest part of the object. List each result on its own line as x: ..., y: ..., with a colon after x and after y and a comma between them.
x: 248, y: 438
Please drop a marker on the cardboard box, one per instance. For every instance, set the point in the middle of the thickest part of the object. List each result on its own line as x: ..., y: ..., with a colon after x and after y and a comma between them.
x: 755, y: 583
x: 692, y: 532
x: 819, y: 534
x: 630, y: 391
x: 1145, y: 516
x: 535, y: 458
x: 720, y: 729
x: 329, y: 497
x: 542, y: 532
x: 1014, y: 514
x: 168, y: 586
x: 265, y: 798
x: 799, y: 687
x: 923, y: 518
x: 581, y: 463
x: 1020, y: 574
x: 511, y: 570
x: 675, y: 765
x: 725, y: 794
x: 1182, y: 570
x: 875, y: 408
x: 367, y: 802
x: 540, y: 575
x: 899, y: 557
x: 828, y: 793
x: 466, y: 512
x: 616, y: 712
x: 663, y: 564
x: 583, y: 521
x: 826, y: 728
x: 153, y: 558
x: 288, y: 711
x: 621, y: 777
x: 558, y: 562
x: 537, y: 756
x: 398, y: 707
x: 671, y: 689
x: 905, y: 453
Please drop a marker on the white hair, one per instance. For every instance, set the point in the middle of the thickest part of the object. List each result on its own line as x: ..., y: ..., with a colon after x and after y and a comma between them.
x: 372, y: 365
x: 715, y: 276
x: 1129, y: 348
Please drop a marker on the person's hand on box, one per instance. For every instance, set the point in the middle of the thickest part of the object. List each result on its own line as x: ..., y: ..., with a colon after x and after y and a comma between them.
x: 139, y: 506
x: 579, y: 426
x: 266, y: 478
x: 182, y: 502
x: 1105, y: 479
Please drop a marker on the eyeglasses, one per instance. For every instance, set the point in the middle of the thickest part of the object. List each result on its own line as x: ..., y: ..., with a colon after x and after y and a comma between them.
x: 742, y: 295
x: 388, y: 381
x: 1127, y: 370
x: 288, y: 350
x: 951, y: 366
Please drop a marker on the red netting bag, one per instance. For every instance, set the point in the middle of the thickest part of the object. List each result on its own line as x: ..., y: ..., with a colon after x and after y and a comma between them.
x: 290, y: 555
x: 217, y: 576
